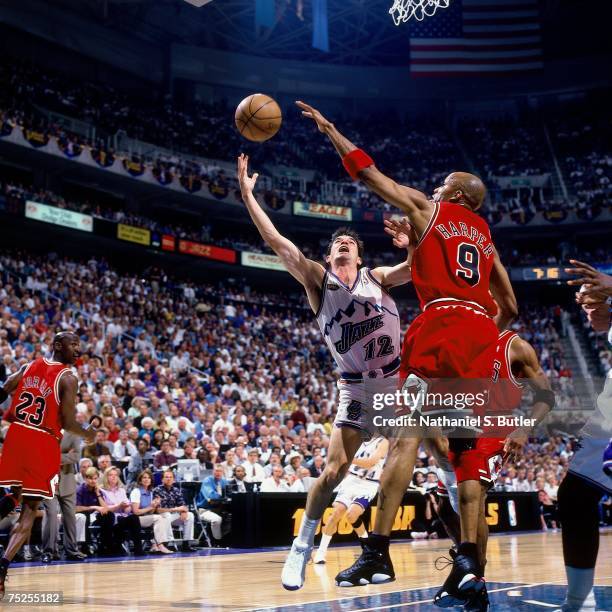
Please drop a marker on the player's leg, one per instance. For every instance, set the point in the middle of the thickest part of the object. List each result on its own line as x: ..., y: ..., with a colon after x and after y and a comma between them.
x: 475, y: 462
x: 10, y: 501
x: 343, y: 445
x: 374, y: 565
x: 19, y: 535
x: 328, y: 530
x: 580, y: 534
x: 353, y: 516
x: 479, y: 602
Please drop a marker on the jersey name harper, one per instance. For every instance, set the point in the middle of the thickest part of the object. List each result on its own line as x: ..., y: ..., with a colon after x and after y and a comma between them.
x: 449, y: 230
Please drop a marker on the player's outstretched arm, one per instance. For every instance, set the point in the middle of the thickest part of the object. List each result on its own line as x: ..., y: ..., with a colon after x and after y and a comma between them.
x: 68, y: 388
x: 309, y: 273
x: 411, y: 201
x: 403, y: 238
x: 522, y: 352
x: 503, y: 293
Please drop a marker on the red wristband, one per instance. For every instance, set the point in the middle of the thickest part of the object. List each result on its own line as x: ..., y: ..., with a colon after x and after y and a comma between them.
x: 356, y: 161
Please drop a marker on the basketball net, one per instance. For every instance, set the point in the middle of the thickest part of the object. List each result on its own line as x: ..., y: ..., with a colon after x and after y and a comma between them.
x: 403, y: 10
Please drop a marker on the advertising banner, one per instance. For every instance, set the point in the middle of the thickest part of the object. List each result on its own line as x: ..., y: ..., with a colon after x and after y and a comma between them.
x: 206, y: 250
x: 262, y: 260
x: 58, y: 216
x: 322, y: 211
x: 280, y: 522
x: 134, y: 234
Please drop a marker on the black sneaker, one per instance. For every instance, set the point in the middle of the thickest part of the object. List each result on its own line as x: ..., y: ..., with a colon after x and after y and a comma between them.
x: 479, y: 602
x: 374, y: 566
x: 462, y: 583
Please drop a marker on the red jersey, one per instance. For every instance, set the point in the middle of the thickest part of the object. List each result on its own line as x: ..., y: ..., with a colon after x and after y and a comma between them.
x: 506, y: 390
x: 36, y: 402
x: 454, y: 258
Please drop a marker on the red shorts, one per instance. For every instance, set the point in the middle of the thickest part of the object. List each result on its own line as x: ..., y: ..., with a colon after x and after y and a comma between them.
x: 449, y: 342
x: 482, y: 459
x: 30, y: 459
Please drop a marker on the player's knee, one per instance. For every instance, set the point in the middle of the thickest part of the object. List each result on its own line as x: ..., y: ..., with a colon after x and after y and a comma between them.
x: 353, y: 516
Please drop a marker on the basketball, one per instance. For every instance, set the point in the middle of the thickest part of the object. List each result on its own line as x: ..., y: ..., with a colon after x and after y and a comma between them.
x: 258, y: 117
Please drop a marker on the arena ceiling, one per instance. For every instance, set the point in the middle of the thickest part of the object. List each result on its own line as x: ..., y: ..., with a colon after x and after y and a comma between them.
x: 361, y: 32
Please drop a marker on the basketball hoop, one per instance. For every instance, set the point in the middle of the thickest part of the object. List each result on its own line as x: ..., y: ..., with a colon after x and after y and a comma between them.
x: 403, y: 10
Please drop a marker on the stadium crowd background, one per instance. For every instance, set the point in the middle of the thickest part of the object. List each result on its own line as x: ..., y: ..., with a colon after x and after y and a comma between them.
x: 220, y: 372
x: 576, y: 132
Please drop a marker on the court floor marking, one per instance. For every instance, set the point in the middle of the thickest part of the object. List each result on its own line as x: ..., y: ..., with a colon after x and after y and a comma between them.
x: 398, y: 604
x: 340, y: 600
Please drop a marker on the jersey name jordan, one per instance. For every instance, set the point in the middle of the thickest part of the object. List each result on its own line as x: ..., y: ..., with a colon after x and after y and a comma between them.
x: 360, y: 324
x: 365, y: 451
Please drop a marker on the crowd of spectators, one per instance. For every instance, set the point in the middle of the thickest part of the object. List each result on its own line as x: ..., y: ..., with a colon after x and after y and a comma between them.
x: 416, y: 150
x: 236, y: 381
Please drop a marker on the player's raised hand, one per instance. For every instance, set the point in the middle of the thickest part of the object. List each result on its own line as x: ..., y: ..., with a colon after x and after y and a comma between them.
x: 312, y: 113
x: 594, y: 281
x: 246, y: 182
x: 400, y: 230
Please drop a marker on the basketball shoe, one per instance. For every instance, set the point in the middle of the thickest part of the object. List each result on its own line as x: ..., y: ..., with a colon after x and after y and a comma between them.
x: 374, y: 565
x: 464, y: 581
x: 294, y: 569
x: 319, y: 557
x: 479, y: 602
x: 573, y: 604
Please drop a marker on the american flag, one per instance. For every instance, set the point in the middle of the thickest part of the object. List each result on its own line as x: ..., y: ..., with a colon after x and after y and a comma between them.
x: 477, y: 36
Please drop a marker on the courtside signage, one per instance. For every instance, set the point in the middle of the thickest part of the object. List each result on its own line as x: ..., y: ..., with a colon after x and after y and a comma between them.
x: 322, y: 211
x: 58, y: 216
x: 261, y: 260
x: 206, y: 250
x: 134, y: 234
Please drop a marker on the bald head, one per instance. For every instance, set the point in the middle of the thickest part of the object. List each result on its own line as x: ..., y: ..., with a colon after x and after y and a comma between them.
x: 463, y: 188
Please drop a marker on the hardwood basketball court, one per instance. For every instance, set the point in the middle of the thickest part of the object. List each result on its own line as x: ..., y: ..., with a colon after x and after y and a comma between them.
x: 525, y: 572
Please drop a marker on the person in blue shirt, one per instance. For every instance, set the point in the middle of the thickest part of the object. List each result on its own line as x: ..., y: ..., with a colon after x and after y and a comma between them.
x: 210, y: 498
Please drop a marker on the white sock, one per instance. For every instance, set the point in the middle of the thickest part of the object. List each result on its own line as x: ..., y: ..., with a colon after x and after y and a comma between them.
x: 307, y: 531
x: 26, y: 548
x: 365, y: 534
x: 325, y: 540
x: 579, y: 585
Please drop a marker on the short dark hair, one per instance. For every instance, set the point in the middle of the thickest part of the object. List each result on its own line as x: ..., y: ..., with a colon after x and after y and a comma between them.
x: 346, y: 231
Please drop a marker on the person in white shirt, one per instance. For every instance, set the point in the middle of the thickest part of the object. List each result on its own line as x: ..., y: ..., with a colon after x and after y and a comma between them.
x: 275, y: 483
x: 302, y: 481
x: 254, y: 470
x: 123, y: 449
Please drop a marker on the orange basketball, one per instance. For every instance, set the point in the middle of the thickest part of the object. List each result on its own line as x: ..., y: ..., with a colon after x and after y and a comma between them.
x: 258, y: 117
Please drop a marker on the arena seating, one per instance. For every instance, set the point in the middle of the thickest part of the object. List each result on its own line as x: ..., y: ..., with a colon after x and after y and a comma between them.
x: 418, y: 151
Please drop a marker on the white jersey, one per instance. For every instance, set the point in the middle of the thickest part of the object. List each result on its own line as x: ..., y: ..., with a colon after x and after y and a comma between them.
x: 365, y: 451
x: 360, y: 324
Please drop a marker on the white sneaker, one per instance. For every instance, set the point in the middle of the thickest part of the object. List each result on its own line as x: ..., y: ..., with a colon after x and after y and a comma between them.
x: 574, y: 605
x: 294, y: 569
x: 319, y: 557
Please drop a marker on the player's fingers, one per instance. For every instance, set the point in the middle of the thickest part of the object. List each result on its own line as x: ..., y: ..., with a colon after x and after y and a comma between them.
x: 582, y: 264
x: 578, y: 281
x: 255, y: 176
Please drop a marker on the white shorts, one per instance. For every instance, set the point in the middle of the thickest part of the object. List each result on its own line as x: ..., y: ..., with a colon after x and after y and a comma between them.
x: 355, y: 405
x: 355, y: 490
